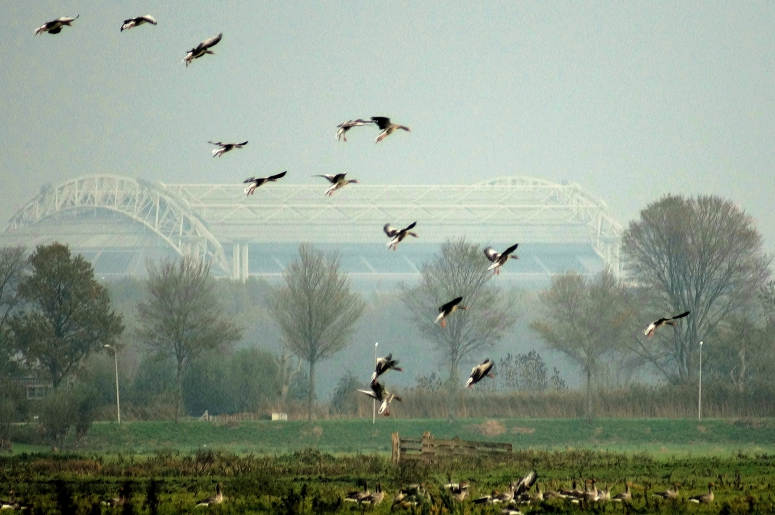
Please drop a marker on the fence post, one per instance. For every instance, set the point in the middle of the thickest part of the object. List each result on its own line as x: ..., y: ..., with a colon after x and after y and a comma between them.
x: 396, y: 454
x: 427, y: 442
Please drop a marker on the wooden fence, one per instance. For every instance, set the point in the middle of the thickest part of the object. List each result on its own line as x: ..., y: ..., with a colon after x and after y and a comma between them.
x: 429, y: 448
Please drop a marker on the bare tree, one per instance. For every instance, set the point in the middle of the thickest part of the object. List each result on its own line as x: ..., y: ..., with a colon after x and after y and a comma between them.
x: 587, y: 320
x: 316, y: 310
x: 460, y: 269
x: 702, y: 255
x: 67, y: 313
x: 181, y: 316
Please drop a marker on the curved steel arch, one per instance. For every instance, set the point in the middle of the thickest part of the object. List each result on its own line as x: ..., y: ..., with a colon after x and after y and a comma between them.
x: 145, y: 203
x: 604, y: 230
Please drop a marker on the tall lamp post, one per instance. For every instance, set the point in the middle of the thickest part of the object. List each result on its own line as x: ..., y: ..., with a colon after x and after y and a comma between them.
x: 374, y: 401
x: 699, y: 401
x: 118, y: 402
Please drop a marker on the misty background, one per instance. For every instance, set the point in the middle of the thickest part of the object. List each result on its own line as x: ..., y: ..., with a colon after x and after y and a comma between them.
x: 631, y: 101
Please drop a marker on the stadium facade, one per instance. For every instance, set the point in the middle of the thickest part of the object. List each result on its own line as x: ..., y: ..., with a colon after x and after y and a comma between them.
x: 120, y: 223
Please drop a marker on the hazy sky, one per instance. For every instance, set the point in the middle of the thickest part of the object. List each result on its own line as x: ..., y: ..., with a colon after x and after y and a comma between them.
x: 632, y: 100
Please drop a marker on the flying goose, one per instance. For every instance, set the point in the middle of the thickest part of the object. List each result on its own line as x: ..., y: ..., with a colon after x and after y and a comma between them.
x: 704, y: 498
x: 260, y: 181
x: 397, y: 236
x: 202, y: 49
x: 55, y: 27
x: 136, y: 22
x: 215, y: 499
x: 663, y: 321
x: 349, y: 124
x: 387, y: 127
x: 498, y: 260
x: 383, y: 396
x: 385, y: 364
x: 337, y: 181
x: 225, y: 147
x: 477, y: 374
x: 447, y: 309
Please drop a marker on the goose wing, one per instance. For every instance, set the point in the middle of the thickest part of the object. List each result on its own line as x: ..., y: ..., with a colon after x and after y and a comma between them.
x: 278, y: 176
x: 450, y: 304
x: 383, y: 122
x: 491, y: 254
x: 390, y: 231
x: 510, y: 249
x: 329, y: 177
x: 211, y: 42
x: 409, y: 227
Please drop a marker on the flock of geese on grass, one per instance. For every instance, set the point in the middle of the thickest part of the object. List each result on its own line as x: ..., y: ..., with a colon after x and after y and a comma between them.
x: 517, y: 494
x: 410, y: 497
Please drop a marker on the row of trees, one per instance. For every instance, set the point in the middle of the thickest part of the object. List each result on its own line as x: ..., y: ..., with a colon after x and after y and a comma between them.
x: 702, y: 255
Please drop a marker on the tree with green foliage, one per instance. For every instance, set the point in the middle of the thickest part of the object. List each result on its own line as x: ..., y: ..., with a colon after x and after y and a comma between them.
x: 460, y: 270
x: 702, y: 255
x: 66, y: 315
x: 587, y: 320
x: 181, y: 317
x: 316, y: 310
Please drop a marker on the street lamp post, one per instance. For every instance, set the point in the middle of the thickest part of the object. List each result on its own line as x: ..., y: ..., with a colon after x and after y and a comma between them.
x: 118, y: 402
x: 374, y: 401
x: 699, y: 401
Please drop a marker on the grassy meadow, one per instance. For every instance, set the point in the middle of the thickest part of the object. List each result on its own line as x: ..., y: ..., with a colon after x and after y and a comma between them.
x: 293, y: 467
x: 668, y: 437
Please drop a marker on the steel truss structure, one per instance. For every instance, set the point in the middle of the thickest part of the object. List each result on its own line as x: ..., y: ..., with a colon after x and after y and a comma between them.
x: 206, y: 219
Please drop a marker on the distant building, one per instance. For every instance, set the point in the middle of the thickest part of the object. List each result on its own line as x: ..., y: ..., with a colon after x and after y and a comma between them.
x: 118, y: 223
x: 35, y: 387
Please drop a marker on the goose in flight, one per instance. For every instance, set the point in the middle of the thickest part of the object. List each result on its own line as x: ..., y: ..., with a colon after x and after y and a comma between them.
x: 55, y: 27
x: 136, y: 22
x: 447, y: 309
x: 663, y: 321
x: 498, y: 260
x: 383, y: 396
x: 225, y: 147
x: 202, y: 49
x: 397, y: 236
x: 387, y: 127
x: 337, y: 181
x: 214, y: 499
x: 477, y: 374
x: 255, y: 182
x: 385, y: 364
x: 349, y: 124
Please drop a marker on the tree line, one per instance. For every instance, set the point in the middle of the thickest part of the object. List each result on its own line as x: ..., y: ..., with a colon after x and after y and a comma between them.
x: 702, y: 255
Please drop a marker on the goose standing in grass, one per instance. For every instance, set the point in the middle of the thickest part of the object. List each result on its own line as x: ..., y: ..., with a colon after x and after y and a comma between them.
x: 663, y: 321
x: 374, y: 498
x: 382, y: 396
x: 55, y: 26
x: 669, y: 495
x: 349, y: 124
x: 385, y: 364
x: 117, y: 501
x: 623, y: 497
x: 478, y: 373
x: 225, y: 147
x: 357, y: 495
x: 498, y: 260
x: 337, y: 181
x: 447, y: 309
x: 387, y: 127
x: 202, y: 49
x: 136, y: 22
x: 398, y: 235
x: 528, y: 480
x: 704, y: 498
x: 215, y: 499
x: 458, y: 491
x: 255, y: 182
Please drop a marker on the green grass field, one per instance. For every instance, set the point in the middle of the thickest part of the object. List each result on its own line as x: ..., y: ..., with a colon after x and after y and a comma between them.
x: 660, y: 437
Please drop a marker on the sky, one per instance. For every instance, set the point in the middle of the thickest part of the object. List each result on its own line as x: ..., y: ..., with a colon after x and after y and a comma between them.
x: 631, y: 100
